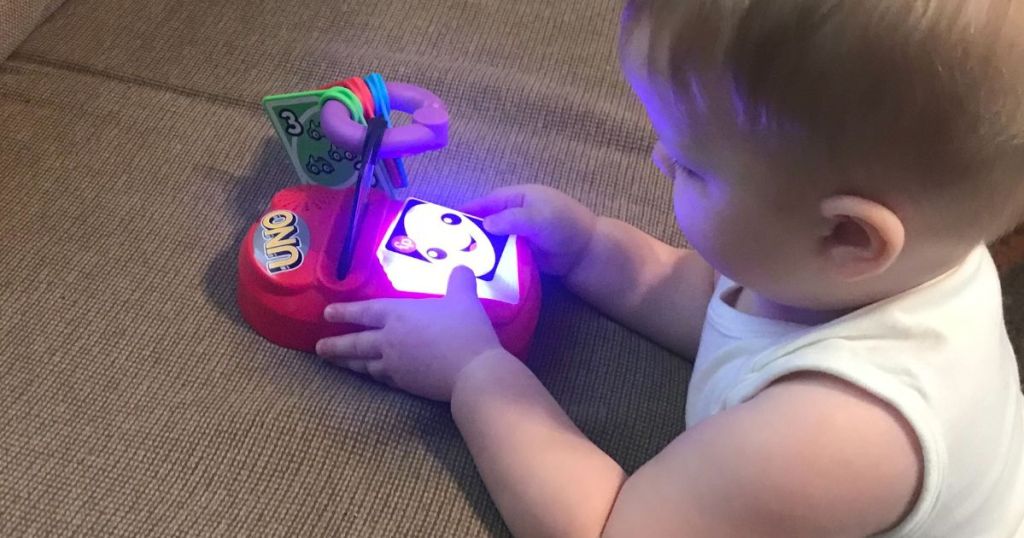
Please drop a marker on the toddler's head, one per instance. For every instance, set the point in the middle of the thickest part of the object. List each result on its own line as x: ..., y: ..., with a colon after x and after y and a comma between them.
x: 830, y: 153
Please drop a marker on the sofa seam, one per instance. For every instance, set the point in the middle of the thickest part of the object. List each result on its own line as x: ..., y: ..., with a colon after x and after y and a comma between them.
x: 72, y: 67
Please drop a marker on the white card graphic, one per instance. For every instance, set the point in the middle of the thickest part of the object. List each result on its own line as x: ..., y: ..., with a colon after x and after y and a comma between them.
x: 426, y: 241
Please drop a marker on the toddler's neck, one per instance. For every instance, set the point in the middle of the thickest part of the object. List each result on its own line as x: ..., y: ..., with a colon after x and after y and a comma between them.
x: 752, y: 303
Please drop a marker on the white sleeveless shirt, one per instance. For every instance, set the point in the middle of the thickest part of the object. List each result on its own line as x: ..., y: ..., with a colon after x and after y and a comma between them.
x: 939, y: 354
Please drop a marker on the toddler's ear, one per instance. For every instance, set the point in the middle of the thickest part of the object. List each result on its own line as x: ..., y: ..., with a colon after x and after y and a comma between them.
x: 864, y: 237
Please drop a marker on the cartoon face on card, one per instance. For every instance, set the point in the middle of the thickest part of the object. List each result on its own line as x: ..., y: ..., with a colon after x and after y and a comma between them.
x: 426, y: 241
x: 442, y: 237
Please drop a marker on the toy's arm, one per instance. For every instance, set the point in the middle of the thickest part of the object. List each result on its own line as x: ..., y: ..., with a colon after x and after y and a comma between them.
x: 428, y: 130
x: 657, y: 290
x: 764, y: 468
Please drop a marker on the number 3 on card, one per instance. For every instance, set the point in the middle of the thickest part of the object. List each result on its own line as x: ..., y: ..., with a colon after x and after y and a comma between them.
x: 292, y: 127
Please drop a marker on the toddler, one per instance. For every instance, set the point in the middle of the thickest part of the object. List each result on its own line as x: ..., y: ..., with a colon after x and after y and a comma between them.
x: 838, y: 167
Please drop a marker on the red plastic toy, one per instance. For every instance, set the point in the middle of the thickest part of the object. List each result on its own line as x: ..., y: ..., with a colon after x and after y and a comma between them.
x: 291, y: 263
x: 287, y: 265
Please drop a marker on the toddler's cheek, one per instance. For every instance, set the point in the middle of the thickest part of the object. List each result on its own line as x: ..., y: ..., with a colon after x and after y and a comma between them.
x: 693, y: 219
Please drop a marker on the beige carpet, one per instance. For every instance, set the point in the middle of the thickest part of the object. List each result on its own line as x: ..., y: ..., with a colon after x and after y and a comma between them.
x: 134, y: 401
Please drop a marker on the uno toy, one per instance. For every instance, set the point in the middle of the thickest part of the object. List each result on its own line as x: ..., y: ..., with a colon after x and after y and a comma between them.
x: 348, y: 232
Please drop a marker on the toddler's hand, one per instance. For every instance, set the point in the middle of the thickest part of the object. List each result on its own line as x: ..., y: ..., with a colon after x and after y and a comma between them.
x: 416, y: 345
x: 557, y: 227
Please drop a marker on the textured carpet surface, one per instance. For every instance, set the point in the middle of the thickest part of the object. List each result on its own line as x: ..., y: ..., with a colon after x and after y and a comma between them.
x: 133, y: 399
x: 18, y: 18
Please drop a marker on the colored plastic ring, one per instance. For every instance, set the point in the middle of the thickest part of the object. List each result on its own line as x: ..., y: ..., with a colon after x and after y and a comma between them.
x: 365, y: 93
x: 427, y: 132
x: 380, y: 93
x: 361, y: 91
x: 347, y: 98
x: 395, y: 167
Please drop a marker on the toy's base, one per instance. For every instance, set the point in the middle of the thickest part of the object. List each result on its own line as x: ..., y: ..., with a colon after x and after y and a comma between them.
x: 287, y: 270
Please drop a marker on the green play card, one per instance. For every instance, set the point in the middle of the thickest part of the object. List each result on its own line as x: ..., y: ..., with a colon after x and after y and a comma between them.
x: 296, y: 119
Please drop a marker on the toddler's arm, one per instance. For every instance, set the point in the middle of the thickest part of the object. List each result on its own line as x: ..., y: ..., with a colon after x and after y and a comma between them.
x: 657, y: 290
x: 778, y: 465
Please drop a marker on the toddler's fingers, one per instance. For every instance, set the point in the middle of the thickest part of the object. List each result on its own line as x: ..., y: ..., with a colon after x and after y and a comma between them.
x: 357, y: 366
x: 512, y: 221
x: 461, y: 282
x: 341, y: 349
x: 498, y: 200
x: 372, y: 313
x: 378, y: 371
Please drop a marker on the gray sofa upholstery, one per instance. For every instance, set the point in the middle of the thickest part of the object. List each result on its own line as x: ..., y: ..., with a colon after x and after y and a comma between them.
x: 134, y: 401
x: 134, y: 153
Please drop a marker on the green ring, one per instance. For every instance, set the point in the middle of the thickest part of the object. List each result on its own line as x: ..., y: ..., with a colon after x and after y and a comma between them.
x: 347, y: 98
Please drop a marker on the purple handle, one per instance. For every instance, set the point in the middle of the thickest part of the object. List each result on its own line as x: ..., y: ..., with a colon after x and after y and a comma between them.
x: 427, y: 132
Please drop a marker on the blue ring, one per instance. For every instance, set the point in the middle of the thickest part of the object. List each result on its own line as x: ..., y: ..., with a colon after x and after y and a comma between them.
x: 379, y: 90
x: 382, y: 102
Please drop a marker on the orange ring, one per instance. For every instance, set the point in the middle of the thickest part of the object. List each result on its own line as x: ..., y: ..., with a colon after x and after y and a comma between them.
x: 362, y: 91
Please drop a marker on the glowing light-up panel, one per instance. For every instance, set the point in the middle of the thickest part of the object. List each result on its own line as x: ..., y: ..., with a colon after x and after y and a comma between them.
x: 426, y: 241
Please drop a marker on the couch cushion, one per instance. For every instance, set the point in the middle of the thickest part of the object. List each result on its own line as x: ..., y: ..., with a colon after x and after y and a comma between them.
x: 134, y: 400
x: 18, y: 18
x: 533, y: 86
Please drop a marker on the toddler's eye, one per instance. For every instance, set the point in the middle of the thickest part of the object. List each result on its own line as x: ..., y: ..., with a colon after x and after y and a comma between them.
x: 686, y: 171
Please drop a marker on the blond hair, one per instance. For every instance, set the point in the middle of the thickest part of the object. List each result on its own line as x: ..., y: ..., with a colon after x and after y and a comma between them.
x: 921, y: 100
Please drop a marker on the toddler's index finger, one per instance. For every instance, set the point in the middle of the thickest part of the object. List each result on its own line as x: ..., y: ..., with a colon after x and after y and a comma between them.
x: 513, y: 221
x: 497, y: 201
x: 370, y: 313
